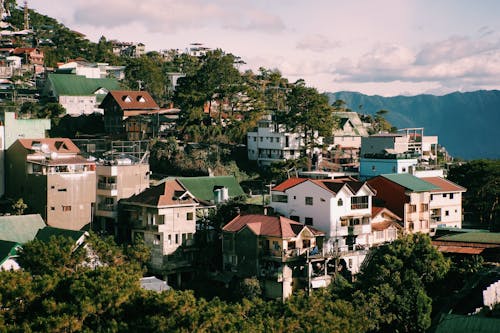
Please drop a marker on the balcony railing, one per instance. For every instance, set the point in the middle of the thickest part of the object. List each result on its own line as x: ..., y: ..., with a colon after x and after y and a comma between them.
x: 106, y: 207
x: 294, y: 253
x: 106, y: 186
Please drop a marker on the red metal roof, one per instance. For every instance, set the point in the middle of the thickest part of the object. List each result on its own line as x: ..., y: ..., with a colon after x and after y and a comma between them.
x: 134, y: 100
x: 290, y: 182
x: 263, y: 225
x: 444, y: 185
x: 169, y: 193
x: 58, y: 145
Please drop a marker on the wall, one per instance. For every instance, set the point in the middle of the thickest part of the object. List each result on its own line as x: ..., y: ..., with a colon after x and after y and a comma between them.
x: 441, y: 200
x: 78, y: 105
x: 16, y: 128
x: 372, y: 167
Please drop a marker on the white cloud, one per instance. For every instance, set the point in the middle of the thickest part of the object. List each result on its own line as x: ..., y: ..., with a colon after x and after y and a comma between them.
x: 317, y: 43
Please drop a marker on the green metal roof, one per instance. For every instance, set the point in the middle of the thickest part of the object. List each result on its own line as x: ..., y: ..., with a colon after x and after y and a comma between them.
x: 78, y: 85
x: 20, y: 228
x: 203, y: 187
x: 410, y: 182
x: 46, y: 233
x: 7, y: 249
x: 473, y: 237
x: 466, y: 324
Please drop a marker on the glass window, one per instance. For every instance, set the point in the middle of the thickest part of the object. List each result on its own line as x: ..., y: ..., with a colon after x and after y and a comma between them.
x: 308, y: 221
x: 359, y: 202
x: 340, y: 202
x: 189, y: 216
x: 309, y: 201
x: 279, y: 198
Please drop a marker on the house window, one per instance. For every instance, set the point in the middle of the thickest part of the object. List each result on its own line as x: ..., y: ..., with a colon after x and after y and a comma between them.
x: 184, y: 237
x: 379, y: 234
x: 374, y: 168
x: 340, y: 202
x: 254, y: 139
x: 451, y: 195
x: 52, y: 208
x: 61, y: 190
x: 169, y: 239
x: 279, y: 198
x: 261, y: 139
x: 306, y: 243
x: 309, y: 201
x: 156, y: 239
x: 295, y: 218
x: 425, y: 207
x: 432, y: 197
x: 412, y: 208
x: 276, y: 245
x: 444, y: 195
x: 66, y: 208
x: 447, y: 213
x: 359, y: 202
x: 189, y: 216
x: 291, y: 245
x: 176, y: 238
x: 308, y: 221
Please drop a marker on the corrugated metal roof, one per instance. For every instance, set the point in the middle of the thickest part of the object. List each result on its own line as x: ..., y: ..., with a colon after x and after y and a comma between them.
x: 467, y: 324
x: 410, y: 182
x: 46, y: 233
x: 20, y: 228
x: 203, y: 187
x: 7, y: 249
x: 473, y: 237
x: 444, y: 185
x: 79, y: 85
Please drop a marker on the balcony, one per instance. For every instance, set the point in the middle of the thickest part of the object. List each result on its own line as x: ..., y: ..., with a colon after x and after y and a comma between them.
x: 138, y: 225
x: 355, y: 230
x: 293, y: 254
x: 106, y: 186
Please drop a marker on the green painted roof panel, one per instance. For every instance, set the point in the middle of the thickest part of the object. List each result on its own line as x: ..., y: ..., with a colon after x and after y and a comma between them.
x: 78, y: 85
x: 46, y: 233
x: 20, y: 228
x: 473, y: 237
x: 410, y: 182
x: 7, y: 249
x: 466, y: 324
x: 203, y: 187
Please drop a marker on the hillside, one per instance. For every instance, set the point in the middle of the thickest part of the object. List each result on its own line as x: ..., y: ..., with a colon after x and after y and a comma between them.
x: 466, y: 123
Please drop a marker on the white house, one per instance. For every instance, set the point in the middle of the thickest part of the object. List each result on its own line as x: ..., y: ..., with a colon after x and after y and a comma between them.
x: 445, y: 203
x: 271, y: 143
x: 342, y: 208
x: 386, y: 226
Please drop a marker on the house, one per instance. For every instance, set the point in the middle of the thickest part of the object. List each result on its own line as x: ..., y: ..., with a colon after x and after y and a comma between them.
x: 118, y: 177
x: 31, y: 55
x: 470, y: 243
x: 121, y: 104
x: 286, y: 255
x: 77, y: 93
x: 212, y: 189
x: 408, y: 197
x: 20, y: 228
x: 45, y: 234
x: 54, y: 180
x: 164, y: 217
x: 271, y: 142
x: 446, y: 203
x: 8, y: 255
x: 345, y: 142
x: 341, y: 207
x: 92, y: 70
x: 386, y: 226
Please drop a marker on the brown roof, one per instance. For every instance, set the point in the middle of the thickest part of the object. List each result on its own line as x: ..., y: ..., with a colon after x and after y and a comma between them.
x: 263, y: 225
x: 460, y: 249
x: 168, y: 193
x: 134, y: 100
x: 58, y: 145
x: 22, y: 50
x: 444, y: 185
x: 290, y: 182
x: 378, y: 210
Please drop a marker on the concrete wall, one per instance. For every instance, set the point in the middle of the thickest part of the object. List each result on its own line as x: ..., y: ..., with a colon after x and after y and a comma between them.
x: 448, y: 209
x: 78, y: 105
x: 16, y: 128
x: 372, y: 167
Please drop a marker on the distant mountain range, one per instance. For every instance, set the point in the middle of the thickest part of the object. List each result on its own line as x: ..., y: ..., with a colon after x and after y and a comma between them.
x: 468, y: 124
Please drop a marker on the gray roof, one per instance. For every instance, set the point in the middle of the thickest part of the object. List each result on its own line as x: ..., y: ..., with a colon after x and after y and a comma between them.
x: 20, y: 228
x: 154, y: 284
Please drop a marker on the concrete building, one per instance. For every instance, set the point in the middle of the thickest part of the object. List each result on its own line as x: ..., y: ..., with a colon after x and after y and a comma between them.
x: 272, y: 143
x: 164, y: 217
x: 408, y: 197
x: 386, y: 226
x: 119, y: 177
x: 445, y: 203
x: 284, y: 254
x: 53, y: 180
x: 92, y: 70
x: 342, y: 208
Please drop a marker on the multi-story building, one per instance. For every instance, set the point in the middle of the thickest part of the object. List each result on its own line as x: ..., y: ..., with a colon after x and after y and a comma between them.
x: 272, y: 143
x: 284, y: 254
x: 92, y: 70
x: 342, y: 208
x: 118, y: 178
x: 408, y: 197
x: 385, y: 153
x: 386, y: 226
x: 446, y: 203
x: 53, y: 179
x: 164, y: 217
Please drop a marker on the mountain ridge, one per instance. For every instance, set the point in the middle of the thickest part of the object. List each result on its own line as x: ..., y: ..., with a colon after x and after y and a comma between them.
x: 474, y: 117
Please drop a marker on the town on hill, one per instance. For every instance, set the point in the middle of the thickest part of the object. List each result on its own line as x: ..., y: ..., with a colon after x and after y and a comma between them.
x: 170, y: 191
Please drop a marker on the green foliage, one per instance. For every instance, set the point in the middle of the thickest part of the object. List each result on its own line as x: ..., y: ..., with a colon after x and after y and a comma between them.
x: 481, y: 202
x: 19, y: 206
x: 250, y: 288
x: 396, y: 282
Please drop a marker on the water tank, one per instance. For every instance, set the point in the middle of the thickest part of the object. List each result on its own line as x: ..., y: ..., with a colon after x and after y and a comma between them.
x: 224, y: 194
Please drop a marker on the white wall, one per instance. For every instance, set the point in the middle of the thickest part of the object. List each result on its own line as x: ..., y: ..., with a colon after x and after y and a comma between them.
x: 78, y: 105
x: 443, y: 201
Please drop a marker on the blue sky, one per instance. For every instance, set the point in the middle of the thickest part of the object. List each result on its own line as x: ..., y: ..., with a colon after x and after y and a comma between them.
x: 386, y: 47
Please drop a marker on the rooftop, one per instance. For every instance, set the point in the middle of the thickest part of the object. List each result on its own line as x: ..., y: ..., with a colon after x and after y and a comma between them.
x: 79, y: 85
x: 168, y: 193
x: 473, y: 237
x: 46, y: 233
x: 444, y: 184
x: 410, y: 182
x: 20, y: 228
x: 203, y: 187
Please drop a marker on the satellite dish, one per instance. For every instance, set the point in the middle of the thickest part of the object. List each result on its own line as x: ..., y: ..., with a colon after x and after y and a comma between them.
x: 45, y: 148
x: 53, y: 155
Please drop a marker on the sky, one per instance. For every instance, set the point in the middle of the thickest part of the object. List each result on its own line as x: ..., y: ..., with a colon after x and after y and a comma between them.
x: 376, y: 47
